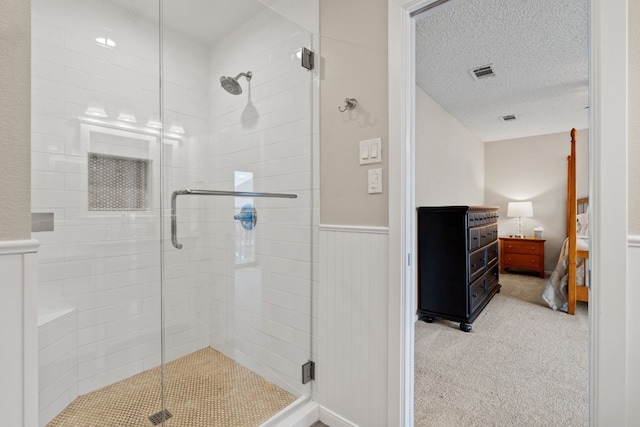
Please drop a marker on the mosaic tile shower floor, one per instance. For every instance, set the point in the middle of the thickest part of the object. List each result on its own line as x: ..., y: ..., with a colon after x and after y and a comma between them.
x: 203, y: 389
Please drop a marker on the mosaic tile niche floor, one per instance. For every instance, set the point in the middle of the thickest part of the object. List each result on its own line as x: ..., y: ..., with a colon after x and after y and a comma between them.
x: 203, y: 389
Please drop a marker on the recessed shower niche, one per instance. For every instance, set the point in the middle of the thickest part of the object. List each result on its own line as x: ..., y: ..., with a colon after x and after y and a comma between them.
x: 121, y: 165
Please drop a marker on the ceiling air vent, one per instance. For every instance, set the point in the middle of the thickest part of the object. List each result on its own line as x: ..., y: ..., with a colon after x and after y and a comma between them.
x: 482, y: 72
x: 508, y: 118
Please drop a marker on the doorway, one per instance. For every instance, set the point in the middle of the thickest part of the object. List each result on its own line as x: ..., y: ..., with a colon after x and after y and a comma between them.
x: 483, y: 101
x: 607, y: 75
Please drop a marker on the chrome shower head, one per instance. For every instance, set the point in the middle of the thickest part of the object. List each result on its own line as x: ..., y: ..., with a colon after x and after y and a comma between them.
x: 231, y: 85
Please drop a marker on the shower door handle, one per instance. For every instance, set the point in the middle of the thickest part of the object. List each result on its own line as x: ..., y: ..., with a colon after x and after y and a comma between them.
x: 174, y: 197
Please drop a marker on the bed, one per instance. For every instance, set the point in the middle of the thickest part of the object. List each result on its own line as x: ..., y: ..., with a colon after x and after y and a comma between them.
x: 569, y: 281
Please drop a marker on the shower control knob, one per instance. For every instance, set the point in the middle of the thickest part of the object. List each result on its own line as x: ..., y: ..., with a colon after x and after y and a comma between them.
x: 248, y: 217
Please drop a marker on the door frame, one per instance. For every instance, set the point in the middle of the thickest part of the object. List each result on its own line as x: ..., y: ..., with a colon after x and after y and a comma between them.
x: 608, y: 365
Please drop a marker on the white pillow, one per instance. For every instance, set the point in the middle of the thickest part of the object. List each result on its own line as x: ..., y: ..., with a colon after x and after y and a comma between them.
x: 582, y: 228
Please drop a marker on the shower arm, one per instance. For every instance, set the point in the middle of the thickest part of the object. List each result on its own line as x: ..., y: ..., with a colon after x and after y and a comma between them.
x: 174, y: 197
x: 248, y: 75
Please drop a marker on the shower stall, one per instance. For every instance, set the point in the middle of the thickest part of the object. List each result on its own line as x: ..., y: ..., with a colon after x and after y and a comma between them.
x: 175, y: 143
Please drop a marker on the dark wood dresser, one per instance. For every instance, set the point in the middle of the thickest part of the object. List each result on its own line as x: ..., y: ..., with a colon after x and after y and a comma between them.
x: 458, y: 268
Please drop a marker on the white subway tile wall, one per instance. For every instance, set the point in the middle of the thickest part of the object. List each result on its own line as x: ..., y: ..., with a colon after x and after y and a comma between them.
x: 106, y: 265
x: 57, y: 363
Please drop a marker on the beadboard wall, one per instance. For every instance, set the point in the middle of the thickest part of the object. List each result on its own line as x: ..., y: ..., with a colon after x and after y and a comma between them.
x: 352, y: 330
x: 18, y: 335
x: 633, y: 322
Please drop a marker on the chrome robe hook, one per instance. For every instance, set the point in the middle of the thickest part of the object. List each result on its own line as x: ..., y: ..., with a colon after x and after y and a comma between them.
x: 349, y: 104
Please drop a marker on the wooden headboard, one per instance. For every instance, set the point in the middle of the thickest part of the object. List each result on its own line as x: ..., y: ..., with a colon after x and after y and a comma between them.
x: 582, y: 205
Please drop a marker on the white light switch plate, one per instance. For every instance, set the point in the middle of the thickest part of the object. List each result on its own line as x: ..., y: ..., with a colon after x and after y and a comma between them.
x: 375, y: 181
x: 371, y: 151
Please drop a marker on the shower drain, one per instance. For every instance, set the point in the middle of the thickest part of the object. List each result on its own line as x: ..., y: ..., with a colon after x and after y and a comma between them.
x: 159, y: 417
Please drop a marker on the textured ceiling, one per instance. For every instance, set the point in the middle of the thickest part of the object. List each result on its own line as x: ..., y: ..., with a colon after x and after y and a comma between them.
x: 539, y: 51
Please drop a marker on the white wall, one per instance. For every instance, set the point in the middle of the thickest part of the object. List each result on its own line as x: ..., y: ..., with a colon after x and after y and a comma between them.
x: 535, y: 168
x: 449, y: 159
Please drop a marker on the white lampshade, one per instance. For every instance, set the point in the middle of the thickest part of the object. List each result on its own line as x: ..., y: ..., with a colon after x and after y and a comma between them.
x: 520, y: 209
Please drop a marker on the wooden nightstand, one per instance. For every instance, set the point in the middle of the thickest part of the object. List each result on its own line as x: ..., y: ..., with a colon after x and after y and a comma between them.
x: 526, y: 253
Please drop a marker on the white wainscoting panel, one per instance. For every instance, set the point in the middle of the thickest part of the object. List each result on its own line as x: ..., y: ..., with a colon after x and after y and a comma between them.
x: 633, y: 323
x: 18, y: 335
x: 351, y: 370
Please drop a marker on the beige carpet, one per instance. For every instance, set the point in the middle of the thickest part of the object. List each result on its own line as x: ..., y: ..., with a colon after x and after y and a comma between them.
x: 522, y: 365
x: 203, y: 389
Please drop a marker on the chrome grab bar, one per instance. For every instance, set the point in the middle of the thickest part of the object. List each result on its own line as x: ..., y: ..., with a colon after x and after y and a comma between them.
x: 174, y: 196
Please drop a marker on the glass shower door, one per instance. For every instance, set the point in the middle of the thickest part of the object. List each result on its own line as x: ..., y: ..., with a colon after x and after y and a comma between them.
x: 128, y: 107
x: 238, y: 246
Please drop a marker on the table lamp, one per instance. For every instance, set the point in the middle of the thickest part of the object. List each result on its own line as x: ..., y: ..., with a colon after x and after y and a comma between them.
x: 520, y: 210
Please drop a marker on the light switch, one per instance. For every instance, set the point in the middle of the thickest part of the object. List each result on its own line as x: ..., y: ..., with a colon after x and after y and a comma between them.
x: 371, y: 151
x: 364, y: 152
x: 375, y: 181
x: 374, y: 149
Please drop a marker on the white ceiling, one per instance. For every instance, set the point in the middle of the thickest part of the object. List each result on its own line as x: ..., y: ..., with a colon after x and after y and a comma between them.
x: 539, y: 51
x: 207, y: 21
x: 204, y: 21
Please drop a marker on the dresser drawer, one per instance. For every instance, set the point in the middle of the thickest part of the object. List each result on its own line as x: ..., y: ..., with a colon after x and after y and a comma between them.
x: 473, y: 238
x: 492, y: 252
x: 477, y: 263
x: 521, y: 247
x: 481, y: 236
x: 521, y: 261
x: 487, y: 235
x: 481, y: 288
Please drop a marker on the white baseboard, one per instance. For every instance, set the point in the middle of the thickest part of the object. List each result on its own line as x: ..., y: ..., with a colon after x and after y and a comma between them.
x: 305, y: 413
x: 301, y: 413
x: 332, y: 419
